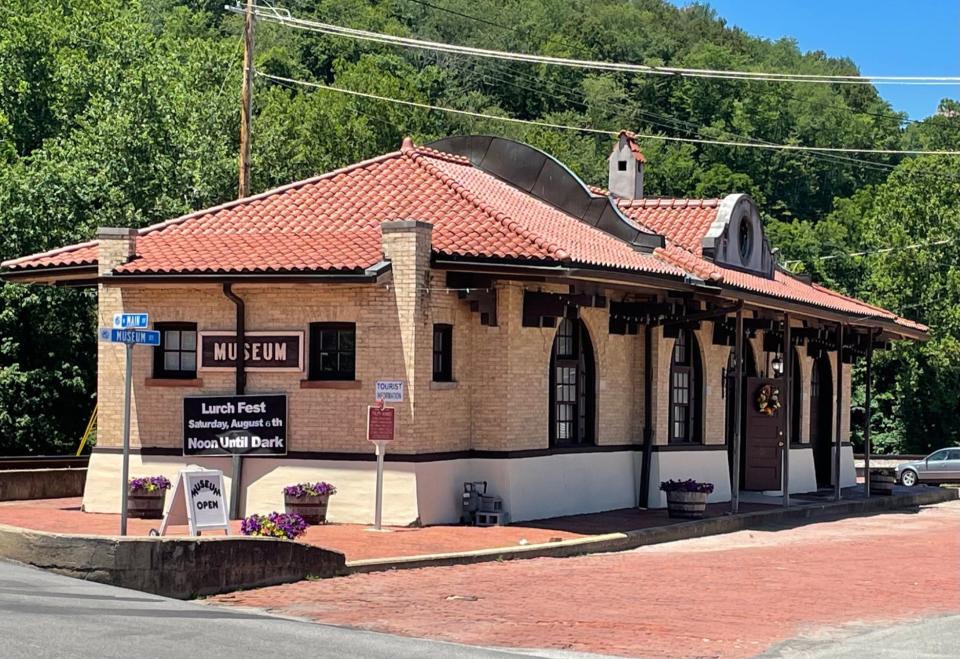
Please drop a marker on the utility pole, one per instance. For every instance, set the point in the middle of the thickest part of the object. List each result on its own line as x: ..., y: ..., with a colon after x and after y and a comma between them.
x: 246, y: 103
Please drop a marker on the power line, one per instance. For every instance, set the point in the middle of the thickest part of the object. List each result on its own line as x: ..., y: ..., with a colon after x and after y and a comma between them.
x: 599, y: 131
x: 793, y: 97
x: 284, y: 17
x: 870, y: 252
x: 674, y: 123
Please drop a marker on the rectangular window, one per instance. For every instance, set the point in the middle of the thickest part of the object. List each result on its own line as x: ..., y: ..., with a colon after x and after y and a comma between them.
x: 443, y: 353
x: 332, y: 351
x: 176, y: 356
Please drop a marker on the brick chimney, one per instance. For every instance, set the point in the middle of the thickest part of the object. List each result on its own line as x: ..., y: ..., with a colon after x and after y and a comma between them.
x: 626, y: 167
x: 115, y: 247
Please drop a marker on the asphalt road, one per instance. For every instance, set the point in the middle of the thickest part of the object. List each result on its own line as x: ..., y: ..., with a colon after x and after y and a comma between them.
x: 934, y: 637
x: 48, y: 615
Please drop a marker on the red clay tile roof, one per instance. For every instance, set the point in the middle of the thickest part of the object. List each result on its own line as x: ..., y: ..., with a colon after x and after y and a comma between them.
x: 682, y: 221
x: 81, y: 254
x: 332, y: 223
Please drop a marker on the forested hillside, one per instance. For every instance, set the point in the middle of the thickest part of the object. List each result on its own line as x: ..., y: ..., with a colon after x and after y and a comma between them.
x: 122, y: 113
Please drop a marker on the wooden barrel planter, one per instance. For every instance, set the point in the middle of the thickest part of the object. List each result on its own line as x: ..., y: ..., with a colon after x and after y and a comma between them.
x: 145, y: 505
x: 882, y: 482
x: 313, y: 509
x: 686, y: 505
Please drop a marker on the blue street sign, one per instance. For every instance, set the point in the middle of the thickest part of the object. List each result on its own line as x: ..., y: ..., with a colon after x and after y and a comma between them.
x: 130, y: 336
x: 130, y: 320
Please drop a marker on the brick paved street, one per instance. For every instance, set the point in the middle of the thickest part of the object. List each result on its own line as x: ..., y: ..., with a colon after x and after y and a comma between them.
x: 732, y: 595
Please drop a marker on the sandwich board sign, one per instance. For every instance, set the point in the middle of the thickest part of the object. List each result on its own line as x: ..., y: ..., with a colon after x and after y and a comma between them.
x: 199, y: 501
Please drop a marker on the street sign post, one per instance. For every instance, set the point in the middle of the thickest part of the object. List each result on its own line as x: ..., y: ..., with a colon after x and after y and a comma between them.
x: 381, y: 429
x: 127, y: 329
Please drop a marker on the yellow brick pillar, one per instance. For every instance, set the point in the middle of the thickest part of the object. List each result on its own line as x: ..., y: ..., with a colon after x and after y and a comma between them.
x: 115, y: 247
x: 407, y: 245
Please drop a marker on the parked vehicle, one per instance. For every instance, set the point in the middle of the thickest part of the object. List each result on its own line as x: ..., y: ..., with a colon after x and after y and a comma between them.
x: 941, y: 466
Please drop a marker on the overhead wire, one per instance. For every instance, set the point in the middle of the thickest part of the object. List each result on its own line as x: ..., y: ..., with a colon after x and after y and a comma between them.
x: 871, y: 252
x: 283, y: 16
x: 584, y: 129
x: 479, y: 19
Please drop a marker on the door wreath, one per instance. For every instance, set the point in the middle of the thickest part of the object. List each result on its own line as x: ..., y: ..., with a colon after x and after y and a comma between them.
x: 768, y: 399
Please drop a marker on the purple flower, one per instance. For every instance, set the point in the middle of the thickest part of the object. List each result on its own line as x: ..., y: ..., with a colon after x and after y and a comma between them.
x: 309, y: 489
x: 149, y: 484
x: 688, y: 485
x: 275, y: 525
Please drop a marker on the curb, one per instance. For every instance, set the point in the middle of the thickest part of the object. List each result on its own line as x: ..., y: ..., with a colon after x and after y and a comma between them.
x: 613, y: 542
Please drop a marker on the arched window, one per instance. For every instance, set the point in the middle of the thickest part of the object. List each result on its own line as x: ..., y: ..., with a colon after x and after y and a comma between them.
x: 686, y: 378
x: 572, y: 385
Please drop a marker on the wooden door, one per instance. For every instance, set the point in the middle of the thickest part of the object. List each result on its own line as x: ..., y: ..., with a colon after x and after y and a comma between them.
x: 763, y: 445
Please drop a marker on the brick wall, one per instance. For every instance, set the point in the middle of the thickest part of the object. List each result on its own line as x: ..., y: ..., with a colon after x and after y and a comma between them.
x: 499, y: 399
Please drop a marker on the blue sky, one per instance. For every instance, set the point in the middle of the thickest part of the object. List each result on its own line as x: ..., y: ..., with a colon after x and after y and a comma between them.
x: 883, y: 37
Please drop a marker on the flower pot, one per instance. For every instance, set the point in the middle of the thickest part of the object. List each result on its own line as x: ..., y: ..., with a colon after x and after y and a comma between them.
x: 312, y: 508
x: 145, y: 505
x: 686, y: 505
x: 882, y: 482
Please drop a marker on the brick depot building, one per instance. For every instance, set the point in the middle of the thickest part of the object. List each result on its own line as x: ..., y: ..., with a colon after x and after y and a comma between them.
x: 571, y: 346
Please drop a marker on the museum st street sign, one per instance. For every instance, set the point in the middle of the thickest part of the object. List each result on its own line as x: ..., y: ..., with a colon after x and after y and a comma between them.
x: 128, y: 329
x: 235, y: 425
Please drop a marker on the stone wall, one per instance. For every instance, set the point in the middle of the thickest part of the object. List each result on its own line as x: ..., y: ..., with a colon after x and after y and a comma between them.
x: 173, y: 567
x: 20, y: 484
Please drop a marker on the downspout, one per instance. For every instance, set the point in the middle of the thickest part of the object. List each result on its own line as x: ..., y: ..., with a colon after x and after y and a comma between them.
x: 241, y: 386
x: 647, y: 414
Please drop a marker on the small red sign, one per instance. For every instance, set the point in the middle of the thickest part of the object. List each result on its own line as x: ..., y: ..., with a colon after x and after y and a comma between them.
x: 380, y: 423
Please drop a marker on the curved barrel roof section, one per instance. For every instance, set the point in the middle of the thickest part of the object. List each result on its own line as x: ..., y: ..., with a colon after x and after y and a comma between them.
x: 543, y: 176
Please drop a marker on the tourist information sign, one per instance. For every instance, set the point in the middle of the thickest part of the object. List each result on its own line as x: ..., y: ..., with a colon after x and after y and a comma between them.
x: 128, y: 330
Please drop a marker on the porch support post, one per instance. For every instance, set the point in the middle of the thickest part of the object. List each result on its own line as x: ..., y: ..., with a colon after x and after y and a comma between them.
x: 648, y: 385
x: 737, y: 413
x: 868, y: 415
x: 839, y: 434
x: 787, y: 408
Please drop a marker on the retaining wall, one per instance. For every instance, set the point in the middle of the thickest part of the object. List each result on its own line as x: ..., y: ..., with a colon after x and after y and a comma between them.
x: 173, y: 567
x: 20, y: 484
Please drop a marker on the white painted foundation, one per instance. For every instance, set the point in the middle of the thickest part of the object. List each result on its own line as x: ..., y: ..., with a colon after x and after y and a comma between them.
x: 848, y: 470
x: 709, y: 466
x: 531, y: 488
x: 429, y: 492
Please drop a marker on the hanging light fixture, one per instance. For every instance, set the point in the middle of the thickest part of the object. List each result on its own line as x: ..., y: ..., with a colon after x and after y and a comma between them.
x: 778, y: 364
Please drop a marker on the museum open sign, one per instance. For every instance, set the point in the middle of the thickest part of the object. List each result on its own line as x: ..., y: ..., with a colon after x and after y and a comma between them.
x: 263, y: 351
x: 235, y: 425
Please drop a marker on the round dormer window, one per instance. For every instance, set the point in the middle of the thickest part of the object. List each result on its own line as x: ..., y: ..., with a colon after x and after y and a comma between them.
x: 745, y: 239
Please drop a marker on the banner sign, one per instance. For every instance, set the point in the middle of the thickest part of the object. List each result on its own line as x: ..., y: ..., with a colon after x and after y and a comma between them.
x: 241, y: 425
x: 199, y: 499
x: 389, y: 391
x: 264, y: 351
x: 380, y: 423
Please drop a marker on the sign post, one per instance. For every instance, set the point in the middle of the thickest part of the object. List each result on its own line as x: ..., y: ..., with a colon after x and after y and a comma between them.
x: 380, y: 431
x: 128, y: 328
